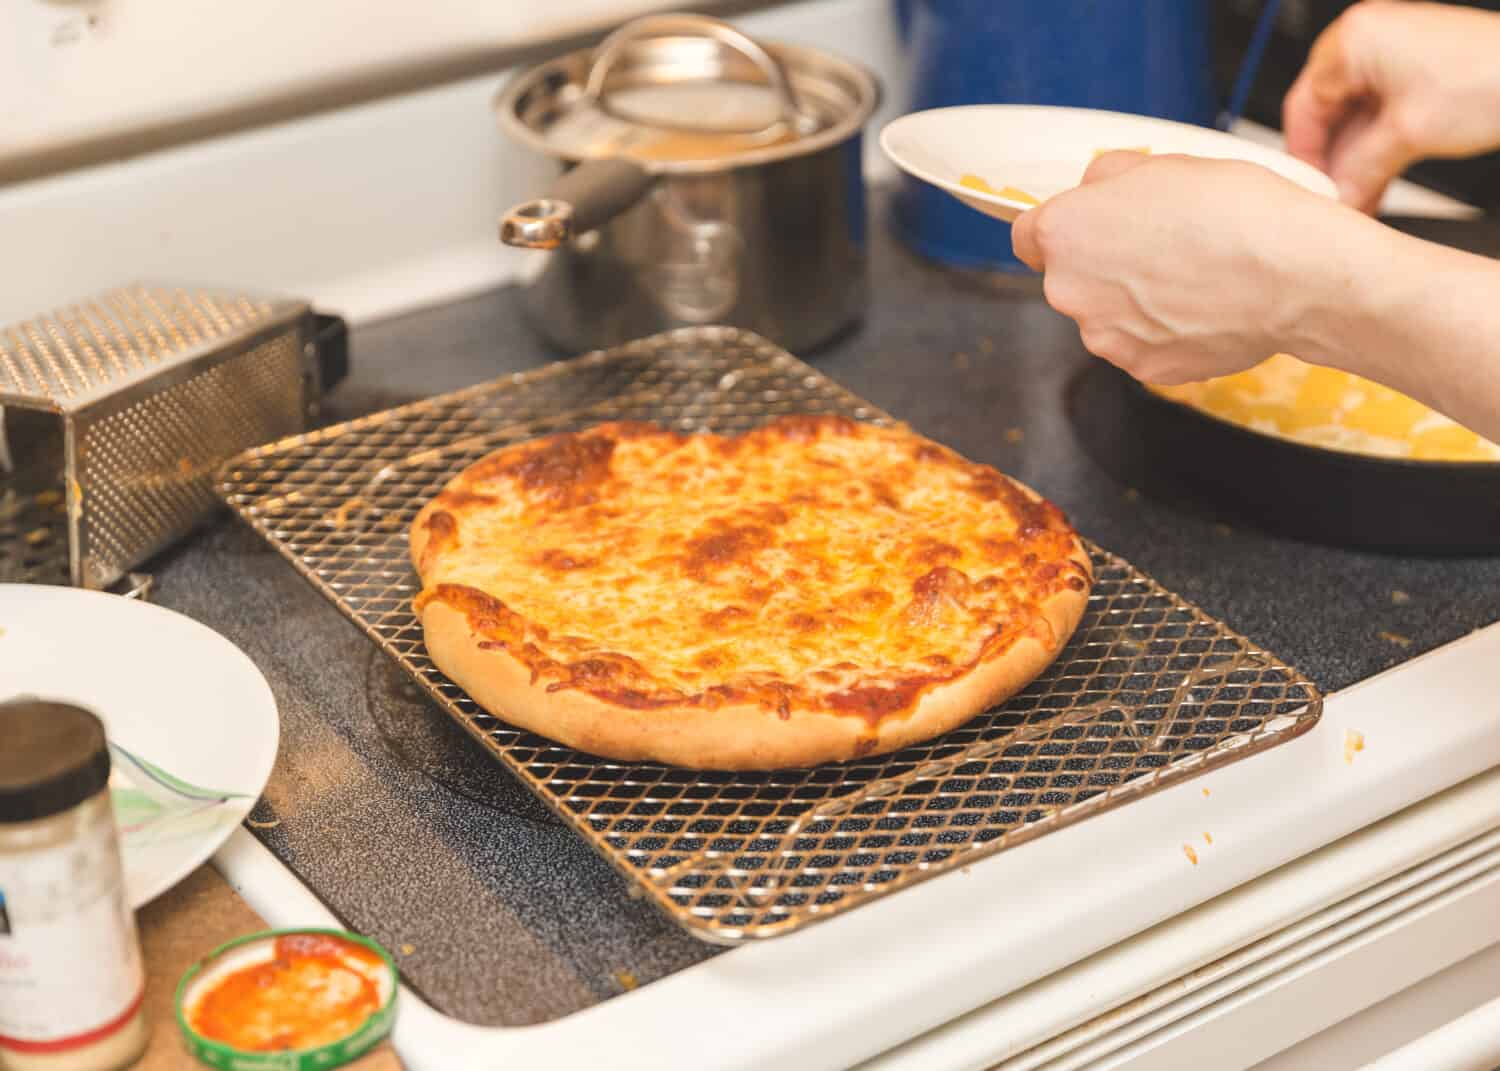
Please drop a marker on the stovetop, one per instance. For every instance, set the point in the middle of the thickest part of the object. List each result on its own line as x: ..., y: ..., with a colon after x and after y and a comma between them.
x: 497, y: 914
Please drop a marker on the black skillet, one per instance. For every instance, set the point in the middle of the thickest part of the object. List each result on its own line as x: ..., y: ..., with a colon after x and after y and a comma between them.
x: 1173, y: 452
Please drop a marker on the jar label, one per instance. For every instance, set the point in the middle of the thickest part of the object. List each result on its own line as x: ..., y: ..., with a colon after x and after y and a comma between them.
x: 70, y: 966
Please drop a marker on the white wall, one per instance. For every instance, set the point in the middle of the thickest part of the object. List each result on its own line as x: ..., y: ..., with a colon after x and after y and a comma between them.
x: 367, y: 210
x: 76, y: 70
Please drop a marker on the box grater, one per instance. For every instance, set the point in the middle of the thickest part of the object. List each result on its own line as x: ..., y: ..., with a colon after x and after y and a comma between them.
x: 115, y: 413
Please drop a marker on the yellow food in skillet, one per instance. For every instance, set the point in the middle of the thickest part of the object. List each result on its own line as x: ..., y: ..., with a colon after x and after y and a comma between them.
x: 1325, y: 407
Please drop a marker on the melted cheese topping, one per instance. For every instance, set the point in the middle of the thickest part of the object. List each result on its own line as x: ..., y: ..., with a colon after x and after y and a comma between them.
x: 1305, y: 403
x: 805, y: 563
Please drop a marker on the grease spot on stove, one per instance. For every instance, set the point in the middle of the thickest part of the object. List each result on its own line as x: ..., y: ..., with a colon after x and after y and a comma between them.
x: 420, y: 735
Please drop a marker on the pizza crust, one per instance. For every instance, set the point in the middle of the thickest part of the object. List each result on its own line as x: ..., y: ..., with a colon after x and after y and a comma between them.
x: 740, y: 736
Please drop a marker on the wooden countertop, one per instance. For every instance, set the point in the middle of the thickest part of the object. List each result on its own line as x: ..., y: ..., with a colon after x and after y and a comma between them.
x: 177, y: 928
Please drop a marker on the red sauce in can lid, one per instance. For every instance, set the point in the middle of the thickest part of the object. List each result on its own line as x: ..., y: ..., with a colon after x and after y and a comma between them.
x: 315, y: 989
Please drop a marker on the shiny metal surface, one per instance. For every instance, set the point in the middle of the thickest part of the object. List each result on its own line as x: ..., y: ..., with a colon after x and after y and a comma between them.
x: 657, y: 79
x: 774, y: 249
x: 545, y: 223
x: 1149, y: 692
x: 758, y: 224
x: 33, y: 534
x: 583, y: 199
x: 117, y: 411
x: 612, y: 48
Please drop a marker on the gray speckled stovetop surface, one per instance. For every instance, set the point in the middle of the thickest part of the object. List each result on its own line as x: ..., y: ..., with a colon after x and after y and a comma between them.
x: 498, y: 914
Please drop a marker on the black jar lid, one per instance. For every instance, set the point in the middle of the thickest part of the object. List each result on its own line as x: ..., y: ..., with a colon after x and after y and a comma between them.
x: 53, y: 756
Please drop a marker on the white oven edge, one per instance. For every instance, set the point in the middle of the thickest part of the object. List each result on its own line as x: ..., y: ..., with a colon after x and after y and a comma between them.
x: 1469, y: 1043
x: 1283, y: 982
x: 901, y: 967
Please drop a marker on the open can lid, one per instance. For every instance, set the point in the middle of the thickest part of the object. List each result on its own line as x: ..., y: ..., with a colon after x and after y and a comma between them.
x: 360, y: 955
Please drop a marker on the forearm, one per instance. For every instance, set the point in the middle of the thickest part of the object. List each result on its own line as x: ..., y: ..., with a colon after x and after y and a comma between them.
x: 1417, y: 316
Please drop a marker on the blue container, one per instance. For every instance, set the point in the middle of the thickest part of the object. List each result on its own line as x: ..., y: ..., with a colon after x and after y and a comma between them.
x: 1151, y: 57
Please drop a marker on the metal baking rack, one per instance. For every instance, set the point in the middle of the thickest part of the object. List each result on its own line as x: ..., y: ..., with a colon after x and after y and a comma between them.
x: 1150, y: 691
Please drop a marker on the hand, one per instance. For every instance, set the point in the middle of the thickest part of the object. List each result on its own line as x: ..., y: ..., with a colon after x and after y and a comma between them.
x: 1390, y: 83
x: 1180, y: 269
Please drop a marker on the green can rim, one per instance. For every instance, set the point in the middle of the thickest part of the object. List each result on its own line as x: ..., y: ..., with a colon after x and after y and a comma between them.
x: 334, y: 1054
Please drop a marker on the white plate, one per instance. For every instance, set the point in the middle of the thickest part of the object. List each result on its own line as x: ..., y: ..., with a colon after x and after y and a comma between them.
x: 191, y: 721
x: 1045, y: 150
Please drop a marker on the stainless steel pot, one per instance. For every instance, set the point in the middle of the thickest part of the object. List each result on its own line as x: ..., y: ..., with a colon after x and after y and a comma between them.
x: 706, y: 178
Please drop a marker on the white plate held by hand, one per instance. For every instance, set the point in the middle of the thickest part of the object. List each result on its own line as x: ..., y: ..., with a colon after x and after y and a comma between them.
x: 191, y: 722
x: 1045, y: 150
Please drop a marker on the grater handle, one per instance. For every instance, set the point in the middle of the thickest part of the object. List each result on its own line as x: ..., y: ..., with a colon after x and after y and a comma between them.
x: 331, y: 341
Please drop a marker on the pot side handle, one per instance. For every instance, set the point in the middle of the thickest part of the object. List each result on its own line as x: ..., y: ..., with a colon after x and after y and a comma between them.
x: 583, y: 198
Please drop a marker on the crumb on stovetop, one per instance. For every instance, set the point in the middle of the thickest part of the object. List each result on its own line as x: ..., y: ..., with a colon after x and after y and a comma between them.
x: 1399, y: 597
x: 1015, y: 435
x: 626, y: 980
x: 1354, y: 742
x: 1395, y: 637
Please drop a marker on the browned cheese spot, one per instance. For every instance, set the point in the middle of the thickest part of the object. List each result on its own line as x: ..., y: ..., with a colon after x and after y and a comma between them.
x: 442, y: 535
x: 562, y: 470
x: 737, y: 544
x: 728, y: 616
x: 935, y: 594
x: 559, y: 560
x: 874, y: 702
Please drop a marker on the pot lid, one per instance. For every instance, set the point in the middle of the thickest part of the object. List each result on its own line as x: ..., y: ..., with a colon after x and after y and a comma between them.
x: 685, y: 91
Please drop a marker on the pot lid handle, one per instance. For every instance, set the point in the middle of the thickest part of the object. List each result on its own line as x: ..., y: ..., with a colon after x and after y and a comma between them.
x: 610, y: 49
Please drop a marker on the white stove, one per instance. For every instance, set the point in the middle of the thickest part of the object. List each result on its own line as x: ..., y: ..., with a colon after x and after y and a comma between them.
x: 1347, y: 909
x: 1333, y: 884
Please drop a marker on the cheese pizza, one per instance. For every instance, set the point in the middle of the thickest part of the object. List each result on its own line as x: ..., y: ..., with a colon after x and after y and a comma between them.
x: 813, y: 590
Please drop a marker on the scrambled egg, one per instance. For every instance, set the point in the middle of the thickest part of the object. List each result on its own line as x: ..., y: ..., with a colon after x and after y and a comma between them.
x: 974, y: 182
x: 1324, y: 407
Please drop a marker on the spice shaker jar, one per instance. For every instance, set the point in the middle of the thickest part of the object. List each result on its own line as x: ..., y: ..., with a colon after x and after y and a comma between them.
x: 71, y: 978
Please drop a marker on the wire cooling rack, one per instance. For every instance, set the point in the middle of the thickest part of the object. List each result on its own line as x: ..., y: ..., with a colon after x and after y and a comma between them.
x: 1149, y: 691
